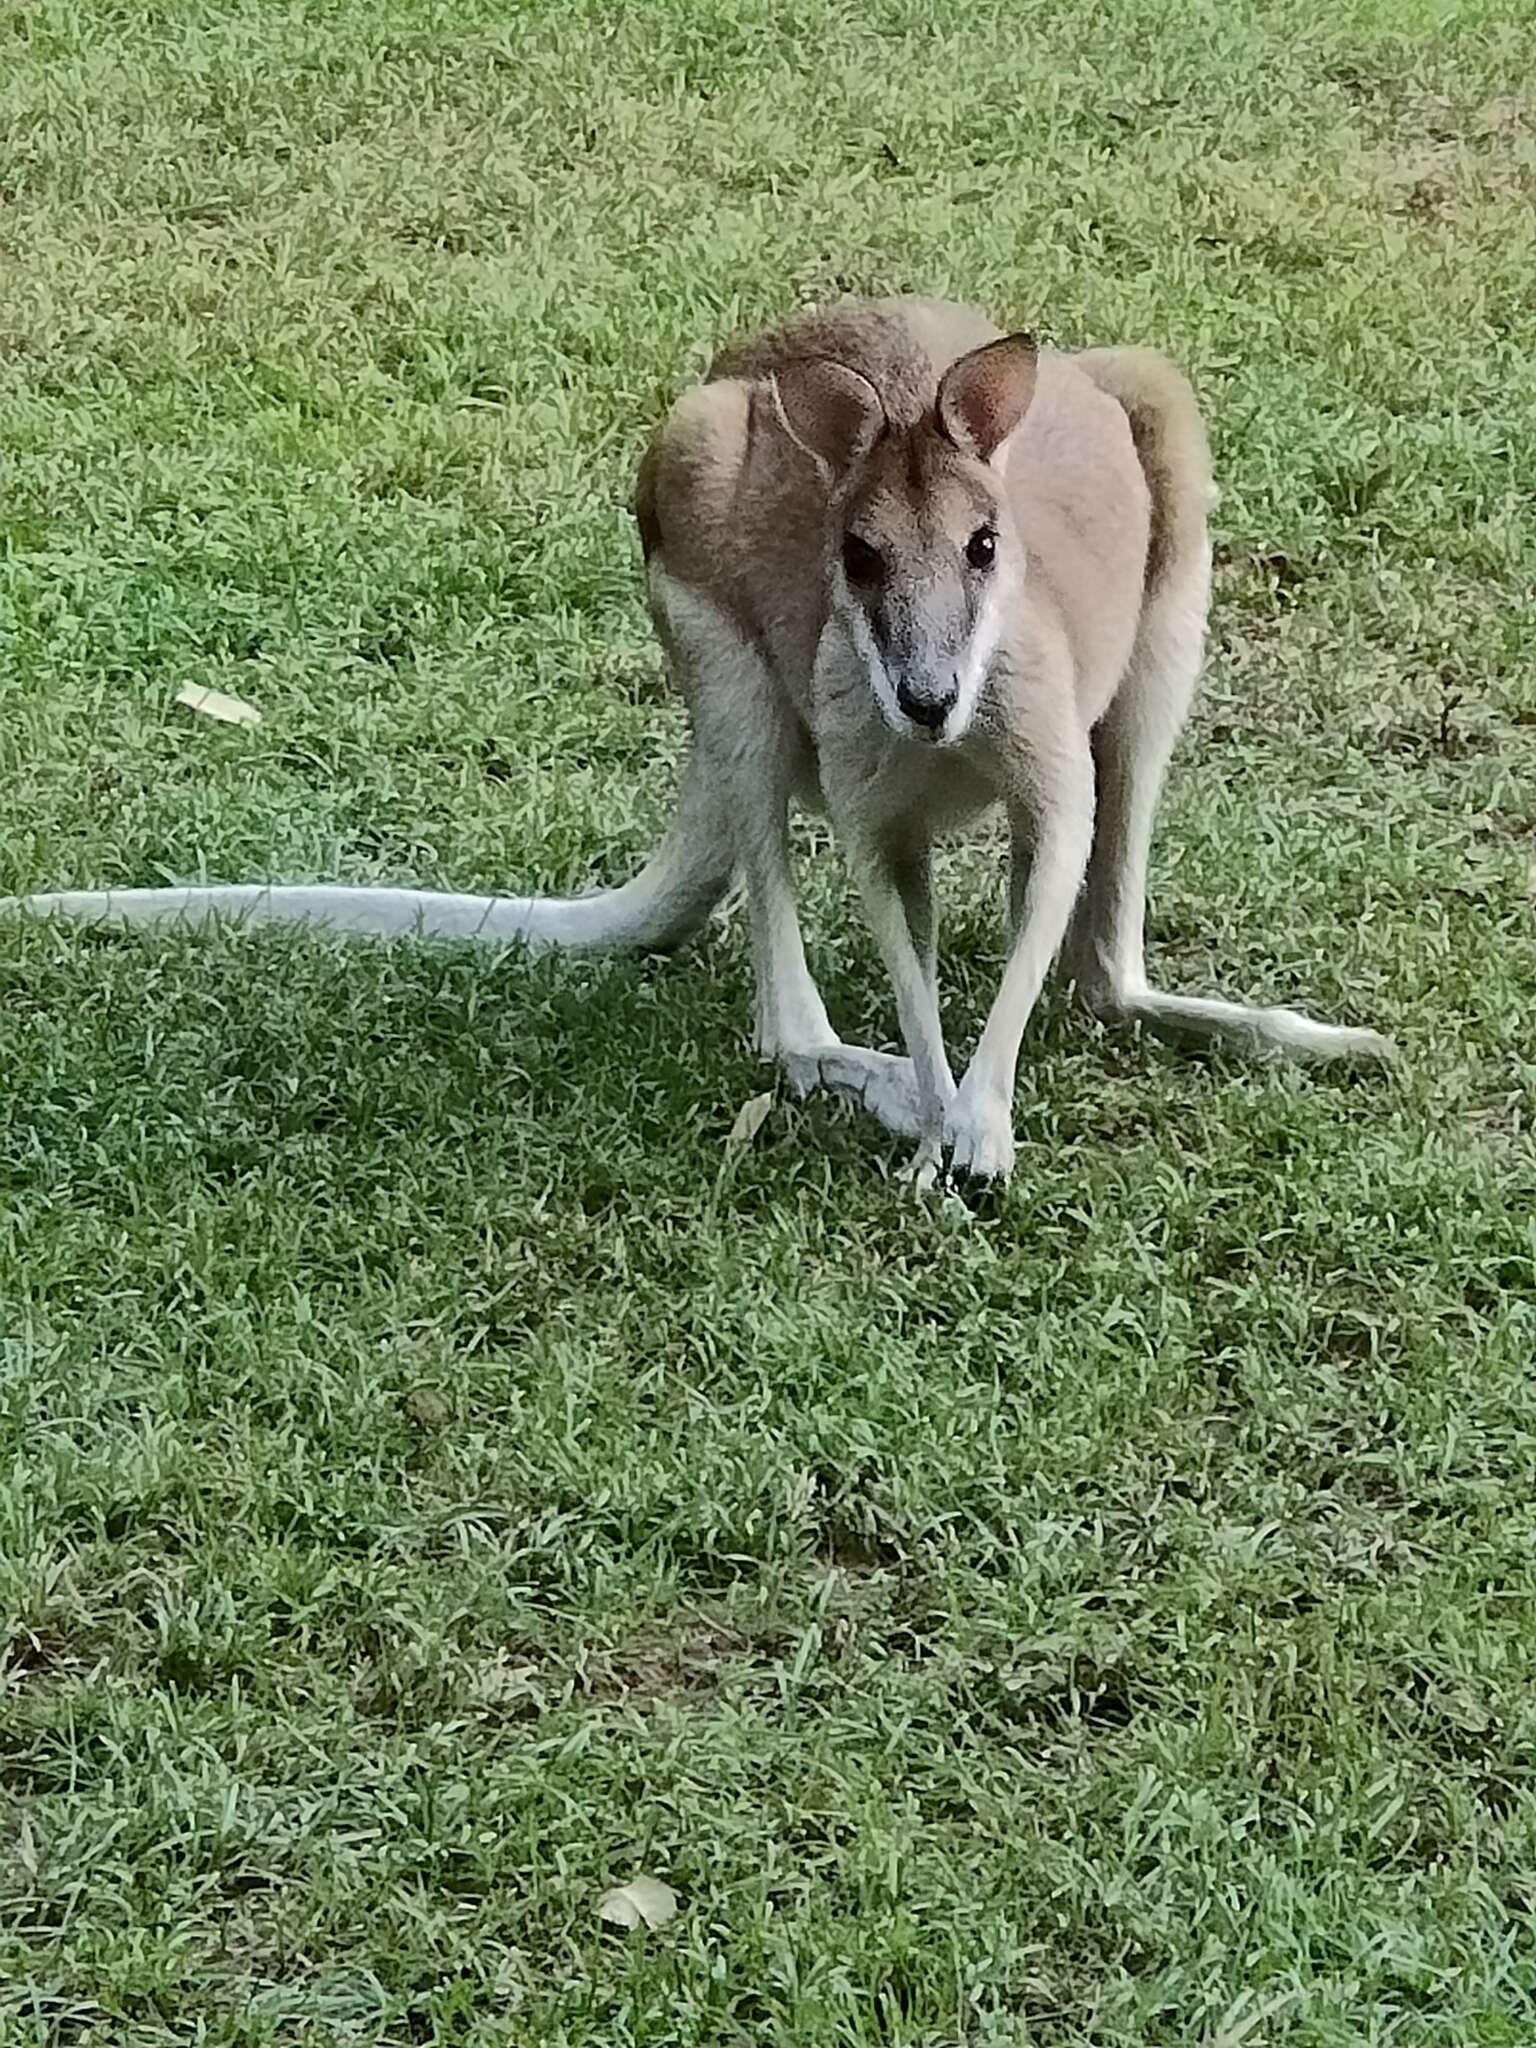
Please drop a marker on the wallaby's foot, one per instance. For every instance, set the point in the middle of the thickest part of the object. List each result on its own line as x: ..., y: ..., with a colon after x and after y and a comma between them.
x: 922, y: 1171
x: 1204, y: 1019
x: 881, y: 1082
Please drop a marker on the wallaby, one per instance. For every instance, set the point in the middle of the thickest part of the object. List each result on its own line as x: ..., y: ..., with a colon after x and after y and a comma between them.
x: 904, y: 566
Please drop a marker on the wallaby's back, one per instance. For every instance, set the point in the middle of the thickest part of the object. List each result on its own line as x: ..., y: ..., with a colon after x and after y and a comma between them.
x: 1171, y: 446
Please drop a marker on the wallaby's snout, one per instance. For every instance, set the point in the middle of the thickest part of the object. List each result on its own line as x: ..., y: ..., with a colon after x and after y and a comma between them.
x: 928, y: 708
x: 915, y: 632
x: 929, y: 640
x: 926, y: 634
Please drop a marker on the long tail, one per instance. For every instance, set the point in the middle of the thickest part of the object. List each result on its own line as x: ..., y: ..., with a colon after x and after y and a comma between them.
x: 665, y: 903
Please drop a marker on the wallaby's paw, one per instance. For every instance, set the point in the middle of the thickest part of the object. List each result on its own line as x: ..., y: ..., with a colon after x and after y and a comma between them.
x: 978, y: 1136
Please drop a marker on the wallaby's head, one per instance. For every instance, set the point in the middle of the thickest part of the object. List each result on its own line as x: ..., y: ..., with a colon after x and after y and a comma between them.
x: 923, y: 557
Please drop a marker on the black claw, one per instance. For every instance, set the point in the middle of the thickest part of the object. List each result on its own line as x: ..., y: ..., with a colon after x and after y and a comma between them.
x: 982, y: 1193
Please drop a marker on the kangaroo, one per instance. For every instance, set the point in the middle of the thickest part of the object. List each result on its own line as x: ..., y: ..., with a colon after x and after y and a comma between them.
x: 905, y: 567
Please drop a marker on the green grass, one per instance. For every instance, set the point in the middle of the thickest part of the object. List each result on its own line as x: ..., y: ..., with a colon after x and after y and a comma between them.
x: 435, y: 1489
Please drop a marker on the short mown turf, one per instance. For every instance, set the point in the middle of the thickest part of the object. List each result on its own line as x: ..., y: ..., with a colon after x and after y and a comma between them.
x: 438, y: 1484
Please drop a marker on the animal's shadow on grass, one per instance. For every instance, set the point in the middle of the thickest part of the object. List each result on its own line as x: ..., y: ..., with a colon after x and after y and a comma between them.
x: 447, y: 1043
x: 223, y: 1046
x: 227, y: 1053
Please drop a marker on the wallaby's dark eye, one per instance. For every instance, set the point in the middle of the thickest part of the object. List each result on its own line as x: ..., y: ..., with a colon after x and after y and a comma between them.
x: 861, y: 562
x: 981, y: 548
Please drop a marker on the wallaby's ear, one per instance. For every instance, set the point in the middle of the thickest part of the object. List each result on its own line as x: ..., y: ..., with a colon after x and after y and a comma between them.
x: 831, y: 412
x: 984, y: 396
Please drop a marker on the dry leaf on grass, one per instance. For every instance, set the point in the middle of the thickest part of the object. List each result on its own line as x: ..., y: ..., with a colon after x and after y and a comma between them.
x: 750, y: 1119
x: 215, y: 704
x: 643, y: 1902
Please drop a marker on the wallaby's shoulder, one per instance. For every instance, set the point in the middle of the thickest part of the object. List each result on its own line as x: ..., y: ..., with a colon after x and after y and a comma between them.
x: 695, y: 457
x: 863, y: 334
x: 715, y: 432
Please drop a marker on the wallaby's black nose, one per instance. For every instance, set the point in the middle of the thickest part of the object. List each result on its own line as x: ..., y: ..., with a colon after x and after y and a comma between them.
x: 924, y: 707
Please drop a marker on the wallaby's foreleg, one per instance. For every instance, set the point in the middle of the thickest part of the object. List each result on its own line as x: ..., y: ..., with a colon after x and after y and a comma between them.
x: 913, y: 873
x: 792, y: 1024
x: 896, y: 894
x: 746, y: 747
x: 978, y: 1130
x: 917, y: 1007
x: 1020, y: 855
x: 1105, y: 954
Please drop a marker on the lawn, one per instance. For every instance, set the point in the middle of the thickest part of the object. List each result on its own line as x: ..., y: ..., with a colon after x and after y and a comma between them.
x: 441, y: 1481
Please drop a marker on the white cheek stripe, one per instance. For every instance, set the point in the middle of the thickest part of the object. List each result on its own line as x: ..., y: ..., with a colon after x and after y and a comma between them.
x: 978, y: 662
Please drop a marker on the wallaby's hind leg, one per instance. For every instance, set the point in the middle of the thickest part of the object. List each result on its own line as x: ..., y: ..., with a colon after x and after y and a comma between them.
x: 746, y: 747
x: 1105, y: 953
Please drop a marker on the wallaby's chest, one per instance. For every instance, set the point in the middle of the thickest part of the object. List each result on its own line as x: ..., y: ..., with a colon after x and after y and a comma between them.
x: 919, y: 792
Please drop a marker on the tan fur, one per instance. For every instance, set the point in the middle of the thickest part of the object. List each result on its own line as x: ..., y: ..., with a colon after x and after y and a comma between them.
x: 1097, y: 498
x: 1170, y: 442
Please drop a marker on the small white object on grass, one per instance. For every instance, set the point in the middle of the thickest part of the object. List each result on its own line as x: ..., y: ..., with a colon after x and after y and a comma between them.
x: 215, y: 704
x: 750, y: 1119
x: 643, y: 1902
